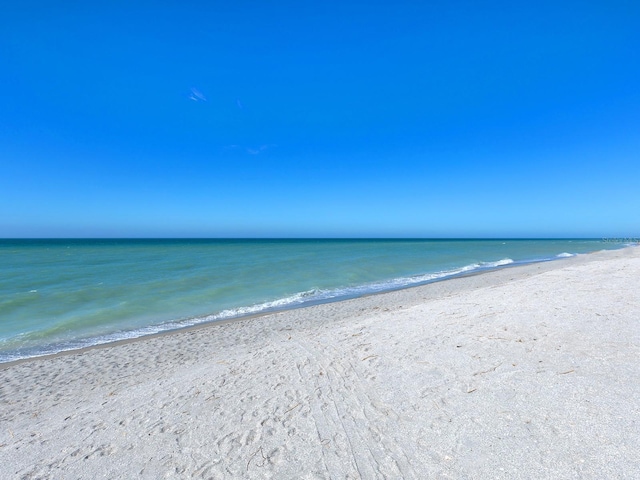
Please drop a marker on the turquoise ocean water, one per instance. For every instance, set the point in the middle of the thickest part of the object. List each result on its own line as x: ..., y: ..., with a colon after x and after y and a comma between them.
x: 59, y: 295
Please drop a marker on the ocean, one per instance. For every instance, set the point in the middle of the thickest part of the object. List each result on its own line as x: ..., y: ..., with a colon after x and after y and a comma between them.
x: 58, y: 295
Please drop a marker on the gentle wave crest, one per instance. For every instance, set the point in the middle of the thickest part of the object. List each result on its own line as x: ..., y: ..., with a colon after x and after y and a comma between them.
x: 305, y: 298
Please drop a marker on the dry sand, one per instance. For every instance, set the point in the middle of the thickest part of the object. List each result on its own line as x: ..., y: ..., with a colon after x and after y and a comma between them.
x: 527, y: 372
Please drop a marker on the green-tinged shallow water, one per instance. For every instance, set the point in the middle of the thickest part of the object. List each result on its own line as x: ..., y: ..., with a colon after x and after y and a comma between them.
x: 64, y: 294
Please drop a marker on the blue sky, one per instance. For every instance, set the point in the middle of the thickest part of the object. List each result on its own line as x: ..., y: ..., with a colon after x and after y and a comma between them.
x: 421, y: 119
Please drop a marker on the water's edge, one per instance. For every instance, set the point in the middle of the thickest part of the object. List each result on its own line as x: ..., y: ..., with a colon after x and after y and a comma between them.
x: 302, y: 301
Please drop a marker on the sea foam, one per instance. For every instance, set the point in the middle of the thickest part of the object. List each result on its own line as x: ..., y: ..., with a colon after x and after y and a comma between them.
x: 70, y: 294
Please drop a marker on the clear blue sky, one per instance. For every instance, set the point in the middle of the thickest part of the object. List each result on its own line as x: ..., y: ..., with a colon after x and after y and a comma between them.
x: 238, y: 118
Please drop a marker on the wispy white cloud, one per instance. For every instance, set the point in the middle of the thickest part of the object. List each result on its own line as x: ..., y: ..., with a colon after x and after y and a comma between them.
x: 251, y: 150
x: 259, y: 150
x: 197, y: 95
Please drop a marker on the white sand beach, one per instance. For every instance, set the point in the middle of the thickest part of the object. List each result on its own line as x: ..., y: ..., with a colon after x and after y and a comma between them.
x: 529, y: 372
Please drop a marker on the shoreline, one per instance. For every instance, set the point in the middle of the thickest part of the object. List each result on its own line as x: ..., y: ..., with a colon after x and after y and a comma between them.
x: 522, y: 372
x: 552, y: 262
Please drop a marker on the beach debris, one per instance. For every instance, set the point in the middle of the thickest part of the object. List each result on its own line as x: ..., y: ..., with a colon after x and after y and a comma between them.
x: 295, y: 406
x: 264, y: 459
x: 568, y: 371
x: 370, y: 356
x: 487, y: 371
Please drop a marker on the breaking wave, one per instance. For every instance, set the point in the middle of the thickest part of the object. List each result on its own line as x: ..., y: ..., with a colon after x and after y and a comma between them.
x: 299, y: 299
